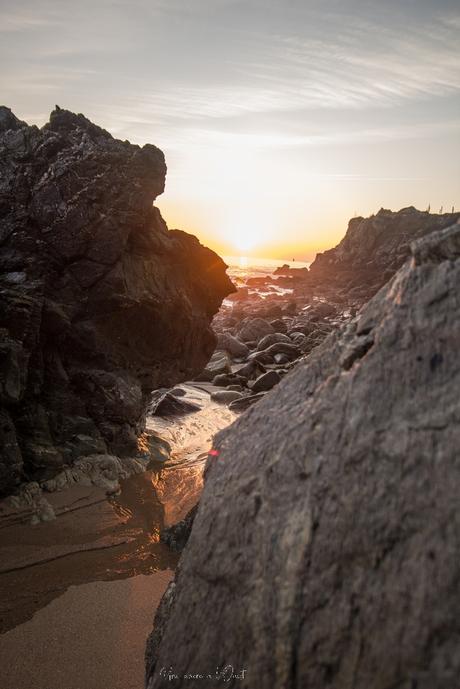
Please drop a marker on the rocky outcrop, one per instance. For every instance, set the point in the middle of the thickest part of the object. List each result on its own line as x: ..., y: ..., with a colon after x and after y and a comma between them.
x: 373, y: 249
x: 324, y: 553
x: 100, y: 303
x: 300, y: 307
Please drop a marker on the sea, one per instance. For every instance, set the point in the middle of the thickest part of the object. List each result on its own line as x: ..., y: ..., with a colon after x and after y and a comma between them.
x: 242, y: 267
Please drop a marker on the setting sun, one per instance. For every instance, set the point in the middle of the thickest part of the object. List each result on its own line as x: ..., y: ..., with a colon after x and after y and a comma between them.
x: 230, y: 261
x: 243, y: 240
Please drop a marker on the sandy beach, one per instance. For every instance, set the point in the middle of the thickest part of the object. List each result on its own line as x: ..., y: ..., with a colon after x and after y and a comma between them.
x: 92, y: 636
x: 81, y: 591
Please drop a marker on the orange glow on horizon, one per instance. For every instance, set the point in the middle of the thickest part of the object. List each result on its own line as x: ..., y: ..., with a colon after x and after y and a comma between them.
x: 248, y: 236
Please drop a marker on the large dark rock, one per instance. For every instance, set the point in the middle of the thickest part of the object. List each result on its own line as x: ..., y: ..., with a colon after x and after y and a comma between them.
x: 286, y: 270
x: 99, y: 302
x: 374, y: 248
x: 325, y: 551
x: 164, y: 403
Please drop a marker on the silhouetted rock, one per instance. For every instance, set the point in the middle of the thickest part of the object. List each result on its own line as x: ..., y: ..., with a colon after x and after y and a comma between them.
x: 373, y: 249
x: 99, y: 302
x: 325, y: 549
x: 286, y: 270
x: 258, y: 281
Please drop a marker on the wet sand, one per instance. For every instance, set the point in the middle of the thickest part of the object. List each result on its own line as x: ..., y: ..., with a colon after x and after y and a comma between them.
x: 91, y: 637
x: 78, y: 594
x: 104, y: 539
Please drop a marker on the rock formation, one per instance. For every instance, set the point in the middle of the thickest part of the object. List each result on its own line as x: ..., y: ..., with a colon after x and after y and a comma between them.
x: 300, y: 307
x: 100, y: 303
x: 325, y: 551
x: 374, y: 248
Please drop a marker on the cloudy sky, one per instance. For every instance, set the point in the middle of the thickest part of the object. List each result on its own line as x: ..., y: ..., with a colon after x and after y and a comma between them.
x: 280, y: 119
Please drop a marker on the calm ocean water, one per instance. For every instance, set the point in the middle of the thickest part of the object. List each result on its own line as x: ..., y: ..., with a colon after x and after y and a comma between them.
x: 241, y: 267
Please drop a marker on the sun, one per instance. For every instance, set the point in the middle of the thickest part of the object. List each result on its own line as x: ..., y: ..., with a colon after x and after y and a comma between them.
x: 245, y: 234
x: 243, y: 242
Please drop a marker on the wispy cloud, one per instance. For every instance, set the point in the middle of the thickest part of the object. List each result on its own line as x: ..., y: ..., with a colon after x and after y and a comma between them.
x: 25, y: 20
x: 222, y: 139
x: 238, y: 92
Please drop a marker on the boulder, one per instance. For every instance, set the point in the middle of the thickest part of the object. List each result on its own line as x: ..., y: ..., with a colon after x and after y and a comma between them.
x: 279, y: 326
x: 225, y: 396
x: 298, y: 338
x: 250, y: 370
x: 224, y: 379
x: 99, y: 302
x: 255, y: 329
x: 229, y: 343
x: 164, y: 403
x: 178, y: 392
x: 323, y: 310
x: 281, y: 359
x: 303, y: 325
x: 258, y: 281
x: 286, y: 270
x: 324, y: 553
x: 219, y: 364
x: 291, y: 350
x: 245, y: 402
x: 271, y: 339
x: 266, y: 381
x: 260, y: 357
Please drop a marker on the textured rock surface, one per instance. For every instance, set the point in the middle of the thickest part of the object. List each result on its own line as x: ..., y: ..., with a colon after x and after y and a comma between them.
x: 374, y: 248
x: 324, y: 553
x: 99, y: 302
x: 255, y: 329
x: 177, y: 535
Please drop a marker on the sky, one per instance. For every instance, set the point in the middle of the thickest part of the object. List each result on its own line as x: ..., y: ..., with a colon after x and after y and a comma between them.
x: 279, y: 119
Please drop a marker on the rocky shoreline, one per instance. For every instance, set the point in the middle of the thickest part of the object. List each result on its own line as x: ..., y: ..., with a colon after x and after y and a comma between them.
x: 324, y: 552
x: 273, y: 321
x: 323, y: 500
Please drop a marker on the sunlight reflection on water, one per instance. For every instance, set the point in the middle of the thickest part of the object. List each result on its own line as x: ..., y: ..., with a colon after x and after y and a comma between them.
x: 179, y: 483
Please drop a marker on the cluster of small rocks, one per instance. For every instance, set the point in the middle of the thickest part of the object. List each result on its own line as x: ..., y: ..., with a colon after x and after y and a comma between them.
x: 273, y: 321
x: 260, y: 339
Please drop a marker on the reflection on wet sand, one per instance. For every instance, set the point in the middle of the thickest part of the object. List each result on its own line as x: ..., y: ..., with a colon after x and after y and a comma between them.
x: 179, y: 484
x: 99, y: 538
